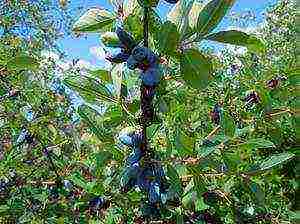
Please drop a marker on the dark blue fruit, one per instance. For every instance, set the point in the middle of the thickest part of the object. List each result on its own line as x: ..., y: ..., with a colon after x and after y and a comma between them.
x: 96, y: 203
x: 216, y: 114
x: 139, y: 53
x: 150, y: 211
x: 118, y: 58
x: 172, y: 1
x: 152, y: 76
x: 252, y: 98
x: 154, y: 192
x: 144, y: 54
x: 125, y: 38
x: 135, y: 156
x: 211, y: 197
x: 132, y: 63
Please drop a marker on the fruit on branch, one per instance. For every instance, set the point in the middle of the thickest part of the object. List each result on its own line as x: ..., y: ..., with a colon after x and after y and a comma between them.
x: 111, y: 39
x: 172, y: 1
x: 204, y: 216
x: 132, y: 63
x: 211, y: 197
x: 144, y: 55
x: 130, y: 138
x: 118, y: 58
x: 152, y: 76
x: 148, y: 3
x: 251, y: 98
x: 126, y: 39
x: 154, y: 192
x: 216, y: 114
x: 98, y: 203
x: 274, y: 82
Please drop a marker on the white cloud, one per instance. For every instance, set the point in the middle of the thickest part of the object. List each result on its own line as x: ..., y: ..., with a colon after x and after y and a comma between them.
x: 83, y: 64
x: 98, y: 52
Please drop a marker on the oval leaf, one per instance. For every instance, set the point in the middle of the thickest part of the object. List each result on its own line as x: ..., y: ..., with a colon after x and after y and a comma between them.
x: 195, y: 68
x: 89, y: 88
x: 275, y: 160
x: 258, y: 143
x: 22, y: 62
x: 238, y: 38
x: 228, y: 125
x: 168, y: 38
x: 212, y: 14
x: 93, y: 20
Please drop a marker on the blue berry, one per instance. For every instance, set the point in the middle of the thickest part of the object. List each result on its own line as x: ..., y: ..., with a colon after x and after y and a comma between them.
x: 132, y: 63
x: 139, y: 53
x: 172, y: 1
x: 144, y: 54
x: 152, y: 76
x: 96, y: 202
x: 154, y: 192
x: 125, y: 38
x: 126, y: 139
x: 118, y: 58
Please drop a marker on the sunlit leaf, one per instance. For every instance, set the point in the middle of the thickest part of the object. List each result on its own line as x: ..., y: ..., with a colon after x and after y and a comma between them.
x: 168, y: 38
x: 94, y: 20
x: 275, y: 160
x: 212, y: 14
x: 238, y: 38
x: 22, y: 62
x: 195, y: 68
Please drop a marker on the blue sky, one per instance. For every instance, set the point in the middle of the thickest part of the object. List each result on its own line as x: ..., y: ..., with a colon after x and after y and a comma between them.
x: 80, y: 47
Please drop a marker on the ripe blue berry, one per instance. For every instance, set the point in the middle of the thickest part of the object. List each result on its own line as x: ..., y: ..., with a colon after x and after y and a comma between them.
x: 132, y: 63
x: 172, y: 1
x: 125, y: 38
x: 144, y: 54
x: 154, y: 192
x: 139, y: 53
x: 118, y: 58
x: 152, y: 76
x: 216, y: 114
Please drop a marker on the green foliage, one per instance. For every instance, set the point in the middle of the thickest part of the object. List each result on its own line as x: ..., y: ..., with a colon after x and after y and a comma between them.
x: 55, y: 157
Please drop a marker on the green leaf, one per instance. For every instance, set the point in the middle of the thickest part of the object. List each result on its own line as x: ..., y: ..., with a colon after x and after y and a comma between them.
x: 194, y: 14
x: 89, y: 88
x: 174, y: 180
x: 228, y: 125
x: 102, y: 158
x: 21, y: 62
x: 238, y: 38
x: 94, y: 20
x: 85, y: 113
x: 185, y: 143
x: 195, y: 68
x: 81, y: 182
x: 205, y: 151
x: 258, y: 143
x: 168, y: 38
x: 275, y: 160
x: 199, y: 185
x: 212, y: 14
x: 101, y: 74
x: 116, y: 75
x: 179, y: 15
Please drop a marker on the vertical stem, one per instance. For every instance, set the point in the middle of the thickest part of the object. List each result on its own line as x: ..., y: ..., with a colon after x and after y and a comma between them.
x: 143, y: 87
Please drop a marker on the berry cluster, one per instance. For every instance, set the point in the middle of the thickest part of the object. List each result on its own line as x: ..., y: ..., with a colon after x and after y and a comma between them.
x: 137, y: 56
x: 204, y: 216
x: 98, y: 203
x: 148, y: 176
x: 252, y: 98
x: 215, y: 114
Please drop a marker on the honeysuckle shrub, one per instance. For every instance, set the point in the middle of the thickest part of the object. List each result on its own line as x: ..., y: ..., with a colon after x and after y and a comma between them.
x: 223, y: 137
